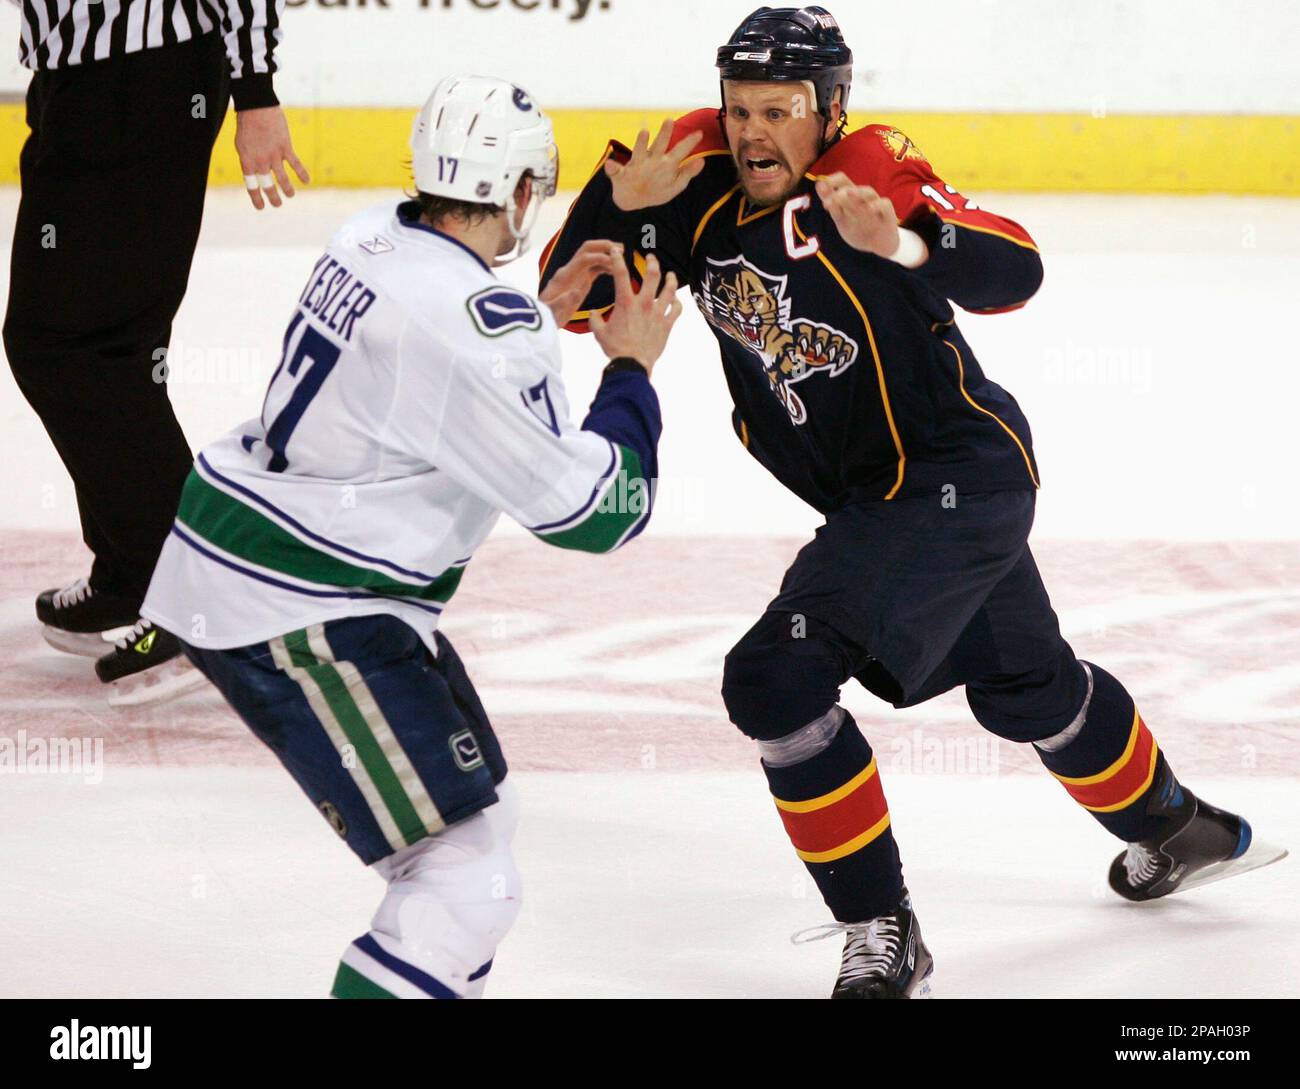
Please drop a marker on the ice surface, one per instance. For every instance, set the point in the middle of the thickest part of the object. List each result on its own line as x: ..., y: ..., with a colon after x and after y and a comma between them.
x: 222, y: 882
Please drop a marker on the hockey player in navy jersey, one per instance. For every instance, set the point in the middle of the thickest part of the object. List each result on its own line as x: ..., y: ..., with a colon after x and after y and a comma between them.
x: 418, y: 397
x: 826, y: 265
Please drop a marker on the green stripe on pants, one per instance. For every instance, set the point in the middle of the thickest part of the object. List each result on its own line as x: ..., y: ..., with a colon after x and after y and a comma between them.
x: 369, y: 736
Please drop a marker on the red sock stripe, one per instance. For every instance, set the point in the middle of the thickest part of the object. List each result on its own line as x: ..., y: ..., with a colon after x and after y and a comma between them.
x: 834, y: 823
x: 1125, y: 780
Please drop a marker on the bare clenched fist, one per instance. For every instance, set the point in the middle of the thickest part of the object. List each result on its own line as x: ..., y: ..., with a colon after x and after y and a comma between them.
x: 655, y: 174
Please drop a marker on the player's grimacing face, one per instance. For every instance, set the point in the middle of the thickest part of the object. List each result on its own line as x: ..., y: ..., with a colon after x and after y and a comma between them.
x: 774, y: 132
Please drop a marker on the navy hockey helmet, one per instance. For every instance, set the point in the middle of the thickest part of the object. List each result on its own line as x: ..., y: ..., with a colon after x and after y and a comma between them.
x: 795, y: 44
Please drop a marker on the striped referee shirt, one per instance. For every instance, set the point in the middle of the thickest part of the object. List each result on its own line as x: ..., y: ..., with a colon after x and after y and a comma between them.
x: 61, y: 33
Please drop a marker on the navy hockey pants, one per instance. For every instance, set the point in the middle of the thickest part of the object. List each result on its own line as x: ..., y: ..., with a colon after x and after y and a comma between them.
x: 388, y: 742
x: 912, y: 598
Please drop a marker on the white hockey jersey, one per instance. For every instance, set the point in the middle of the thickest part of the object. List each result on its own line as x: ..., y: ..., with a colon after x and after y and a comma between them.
x: 416, y: 398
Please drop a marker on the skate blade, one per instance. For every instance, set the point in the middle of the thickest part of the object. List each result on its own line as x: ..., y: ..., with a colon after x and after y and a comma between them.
x: 1258, y: 854
x: 156, y: 685
x: 87, y: 644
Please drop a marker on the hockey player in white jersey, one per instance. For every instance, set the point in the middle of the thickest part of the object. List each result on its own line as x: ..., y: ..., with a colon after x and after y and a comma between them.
x: 416, y: 399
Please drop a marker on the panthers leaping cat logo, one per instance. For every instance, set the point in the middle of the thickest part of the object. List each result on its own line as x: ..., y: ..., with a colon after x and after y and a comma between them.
x: 750, y: 306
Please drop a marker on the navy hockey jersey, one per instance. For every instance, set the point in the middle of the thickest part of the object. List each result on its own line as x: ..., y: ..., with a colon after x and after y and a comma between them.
x: 850, y: 378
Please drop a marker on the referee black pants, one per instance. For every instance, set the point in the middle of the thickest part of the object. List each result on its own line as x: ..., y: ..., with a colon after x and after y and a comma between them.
x: 113, y: 179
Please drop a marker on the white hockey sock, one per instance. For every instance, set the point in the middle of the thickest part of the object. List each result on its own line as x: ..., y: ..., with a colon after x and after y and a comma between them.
x: 451, y: 899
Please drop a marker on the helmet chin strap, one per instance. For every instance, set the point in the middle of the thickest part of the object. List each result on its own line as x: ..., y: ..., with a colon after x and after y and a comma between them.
x: 521, y: 232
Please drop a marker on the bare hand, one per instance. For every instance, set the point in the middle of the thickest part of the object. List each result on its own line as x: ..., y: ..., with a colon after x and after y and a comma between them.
x: 865, y: 219
x: 263, y: 146
x: 572, y: 283
x: 638, y: 325
x: 655, y: 174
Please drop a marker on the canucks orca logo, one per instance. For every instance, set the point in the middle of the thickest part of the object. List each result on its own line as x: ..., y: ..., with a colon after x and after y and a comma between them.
x: 497, y: 310
x: 521, y: 99
x: 750, y: 306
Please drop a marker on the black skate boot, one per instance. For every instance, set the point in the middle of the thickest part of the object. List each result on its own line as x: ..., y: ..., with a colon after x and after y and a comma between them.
x: 146, y: 665
x: 1195, y: 844
x: 76, y: 617
x: 883, y: 957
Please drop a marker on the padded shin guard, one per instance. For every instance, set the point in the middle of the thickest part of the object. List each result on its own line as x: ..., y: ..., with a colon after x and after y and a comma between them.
x: 451, y: 899
x: 835, y: 814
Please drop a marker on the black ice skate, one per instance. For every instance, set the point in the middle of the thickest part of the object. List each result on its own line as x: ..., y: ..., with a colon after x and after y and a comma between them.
x: 146, y: 665
x: 1195, y: 845
x: 883, y: 957
x: 77, y: 617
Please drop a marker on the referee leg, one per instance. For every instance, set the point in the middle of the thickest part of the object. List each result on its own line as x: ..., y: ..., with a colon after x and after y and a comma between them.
x: 113, y: 180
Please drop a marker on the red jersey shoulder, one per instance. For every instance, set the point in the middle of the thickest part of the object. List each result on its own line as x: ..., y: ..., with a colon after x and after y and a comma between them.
x: 871, y: 154
x: 719, y: 172
x: 705, y: 121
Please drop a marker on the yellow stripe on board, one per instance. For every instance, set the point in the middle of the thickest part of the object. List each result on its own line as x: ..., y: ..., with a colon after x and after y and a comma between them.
x: 1135, y: 153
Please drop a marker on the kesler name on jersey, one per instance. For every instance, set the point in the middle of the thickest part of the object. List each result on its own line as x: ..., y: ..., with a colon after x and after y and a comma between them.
x: 336, y: 296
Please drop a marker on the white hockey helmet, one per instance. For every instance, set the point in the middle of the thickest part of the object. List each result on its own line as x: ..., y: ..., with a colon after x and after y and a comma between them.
x: 475, y: 138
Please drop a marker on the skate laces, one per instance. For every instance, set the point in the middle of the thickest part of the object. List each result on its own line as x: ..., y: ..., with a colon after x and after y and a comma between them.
x: 870, y: 948
x: 134, y: 632
x: 72, y: 595
x: 1140, y: 864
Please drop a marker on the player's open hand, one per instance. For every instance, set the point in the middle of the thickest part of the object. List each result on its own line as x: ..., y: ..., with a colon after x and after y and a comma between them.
x: 572, y: 283
x: 639, y: 323
x: 655, y: 173
x: 865, y: 219
x: 263, y: 146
